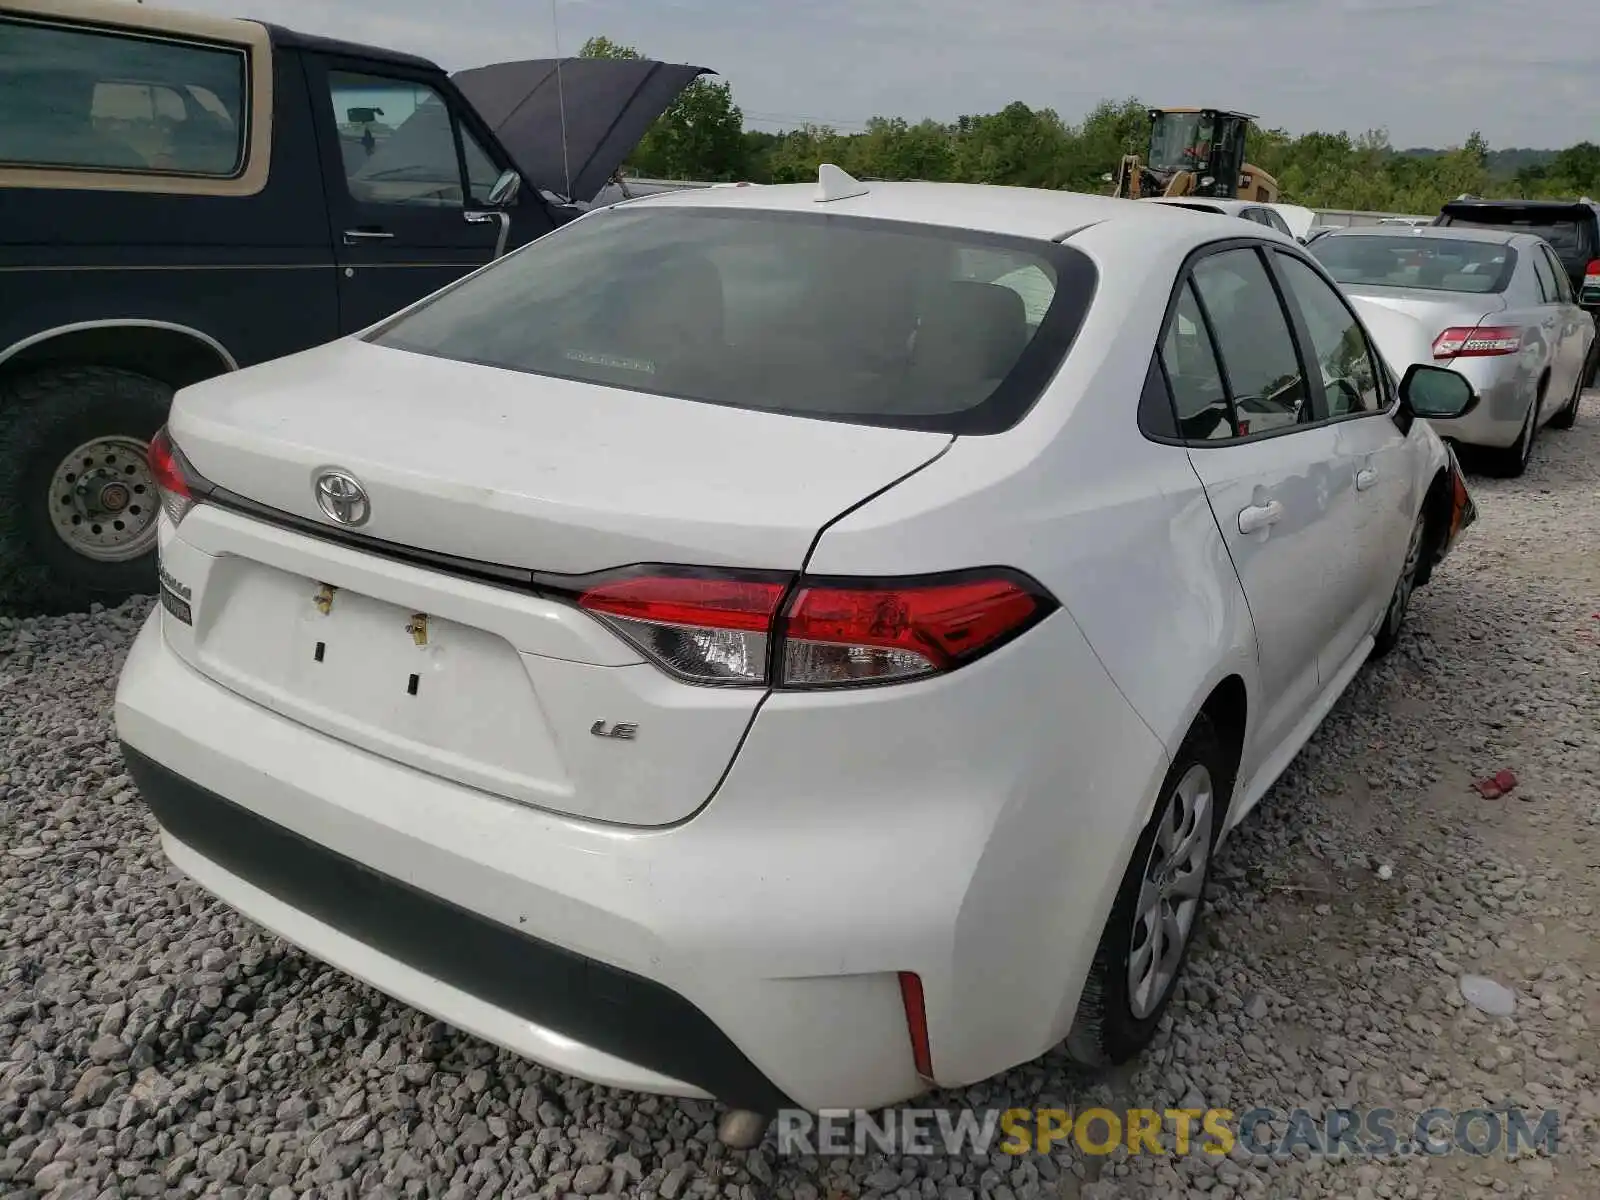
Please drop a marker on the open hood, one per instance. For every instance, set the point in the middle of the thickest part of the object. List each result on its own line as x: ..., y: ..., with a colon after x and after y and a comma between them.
x: 609, y: 103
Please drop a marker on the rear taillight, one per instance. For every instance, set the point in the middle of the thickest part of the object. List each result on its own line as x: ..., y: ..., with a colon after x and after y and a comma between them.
x: 707, y: 627
x: 700, y: 627
x: 1592, y: 271
x: 180, y: 486
x: 1484, y: 341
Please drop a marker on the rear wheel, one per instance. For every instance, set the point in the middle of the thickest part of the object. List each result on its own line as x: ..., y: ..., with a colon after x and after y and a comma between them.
x: 1568, y: 416
x: 1513, y: 460
x: 1157, y: 909
x: 77, y: 504
x: 1394, y: 618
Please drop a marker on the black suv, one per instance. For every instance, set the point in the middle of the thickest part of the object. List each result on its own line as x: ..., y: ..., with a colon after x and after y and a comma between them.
x: 183, y: 195
x: 1572, y: 227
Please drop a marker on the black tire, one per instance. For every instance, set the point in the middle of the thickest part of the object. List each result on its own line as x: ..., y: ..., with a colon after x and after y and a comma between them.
x: 1568, y: 416
x: 43, y: 418
x: 1511, y: 461
x: 1107, y: 1028
x: 1394, y: 617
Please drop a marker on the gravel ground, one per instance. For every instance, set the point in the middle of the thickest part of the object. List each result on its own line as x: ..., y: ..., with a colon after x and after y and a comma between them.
x: 153, y: 1043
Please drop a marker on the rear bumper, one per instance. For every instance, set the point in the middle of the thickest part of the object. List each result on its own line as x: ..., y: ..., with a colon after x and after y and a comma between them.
x: 606, y: 1024
x: 750, y: 954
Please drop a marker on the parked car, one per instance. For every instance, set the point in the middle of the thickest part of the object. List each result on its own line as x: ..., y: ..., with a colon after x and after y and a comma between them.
x: 184, y: 195
x: 1502, y: 313
x: 1571, y: 227
x: 1249, y: 210
x: 1299, y: 219
x: 707, y: 649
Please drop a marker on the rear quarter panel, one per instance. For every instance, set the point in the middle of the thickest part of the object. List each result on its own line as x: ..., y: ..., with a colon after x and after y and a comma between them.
x: 1116, y: 526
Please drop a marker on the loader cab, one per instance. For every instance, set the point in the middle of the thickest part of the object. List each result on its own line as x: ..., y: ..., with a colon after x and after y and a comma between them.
x: 1207, y: 142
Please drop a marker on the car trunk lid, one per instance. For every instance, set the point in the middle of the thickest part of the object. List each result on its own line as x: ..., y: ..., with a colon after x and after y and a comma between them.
x: 1435, y: 311
x: 465, y: 673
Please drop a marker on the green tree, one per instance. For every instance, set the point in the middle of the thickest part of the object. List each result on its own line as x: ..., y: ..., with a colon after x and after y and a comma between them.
x: 701, y: 136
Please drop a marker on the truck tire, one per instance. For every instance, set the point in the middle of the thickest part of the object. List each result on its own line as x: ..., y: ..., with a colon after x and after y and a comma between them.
x: 78, y: 506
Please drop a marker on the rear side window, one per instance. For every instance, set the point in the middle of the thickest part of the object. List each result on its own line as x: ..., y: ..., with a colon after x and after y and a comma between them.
x: 1199, y: 395
x: 85, y: 99
x: 1256, y: 348
x: 1408, y: 261
x: 846, y: 318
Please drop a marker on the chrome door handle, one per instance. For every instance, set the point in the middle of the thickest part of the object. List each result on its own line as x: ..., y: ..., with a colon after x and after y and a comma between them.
x: 1259, y: 516
x: 1365, y: 478
x: 484, y: 218
x: 352, y: 236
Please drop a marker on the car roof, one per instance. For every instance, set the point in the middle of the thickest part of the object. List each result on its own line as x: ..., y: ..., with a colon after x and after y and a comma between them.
x: 983, y: 208
x: 151, y: 19
x: 1494, y: 235
x: 333, y: 46
x: 136, y: 17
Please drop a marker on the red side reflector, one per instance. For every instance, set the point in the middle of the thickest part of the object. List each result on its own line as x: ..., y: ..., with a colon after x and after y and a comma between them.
x: 917, y: 1023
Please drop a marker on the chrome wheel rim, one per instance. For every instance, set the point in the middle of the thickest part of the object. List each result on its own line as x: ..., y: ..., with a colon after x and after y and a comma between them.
x: 103, y: 500
x: 1408, y: 579
x: 1170, y: 892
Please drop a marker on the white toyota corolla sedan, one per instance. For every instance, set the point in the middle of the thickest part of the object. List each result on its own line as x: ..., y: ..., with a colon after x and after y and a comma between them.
x: 792, y: 645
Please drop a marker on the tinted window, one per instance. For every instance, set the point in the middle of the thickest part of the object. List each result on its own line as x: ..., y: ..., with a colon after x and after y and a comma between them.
x: 482, y: 174
x: 1563, y: 284
x: 397, y: 140
x: 1436, y: 264
x: 1349, y: 372
x: 1199, y: 396
x: 875, y: 321
x: 1277, y: 222
x: 1566, y: 236
x: 1254, y: 344
x: 1546, y: 276
x: 72, y: 98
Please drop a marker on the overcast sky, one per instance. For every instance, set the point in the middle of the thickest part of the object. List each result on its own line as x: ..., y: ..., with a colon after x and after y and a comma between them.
x: 1525, y: 72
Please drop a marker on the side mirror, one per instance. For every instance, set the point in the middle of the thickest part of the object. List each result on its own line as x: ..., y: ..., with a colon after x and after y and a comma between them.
x: 1437, y: 392
x: 504, y: 192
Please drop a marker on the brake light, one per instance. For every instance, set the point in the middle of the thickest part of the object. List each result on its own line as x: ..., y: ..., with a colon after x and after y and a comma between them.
x: 1592, y: 271
x: 702, y: 627
x: 1485, y: 341
x: 727, y: 628
x: 179, y: 485
x: 850, y: 633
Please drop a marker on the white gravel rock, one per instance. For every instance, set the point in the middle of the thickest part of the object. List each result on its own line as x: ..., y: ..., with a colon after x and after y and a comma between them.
x: 153, y: 1043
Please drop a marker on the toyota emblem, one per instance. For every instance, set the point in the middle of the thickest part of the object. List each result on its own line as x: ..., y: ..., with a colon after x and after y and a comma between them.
x: 341, y: 496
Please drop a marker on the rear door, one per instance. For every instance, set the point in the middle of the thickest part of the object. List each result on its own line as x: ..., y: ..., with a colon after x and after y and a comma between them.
x: 402, y: 174
x: 1570, y: 326
x: 1375, y: 492
x: 1246, y: 411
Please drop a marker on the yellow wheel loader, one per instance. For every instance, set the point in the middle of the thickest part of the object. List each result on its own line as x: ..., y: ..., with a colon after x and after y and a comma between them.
x: 1195, y: 152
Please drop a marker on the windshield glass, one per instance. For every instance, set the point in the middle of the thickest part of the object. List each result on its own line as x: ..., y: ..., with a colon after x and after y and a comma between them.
x: 1435, y: 264
x: 1564, y: 236
x: 872, y: 321
x: 1177, y: 140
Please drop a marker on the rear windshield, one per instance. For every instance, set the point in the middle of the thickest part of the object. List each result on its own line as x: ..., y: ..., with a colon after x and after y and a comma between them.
x: 1434, y: 264
x: 1566, y: 237
x: 875, y: 322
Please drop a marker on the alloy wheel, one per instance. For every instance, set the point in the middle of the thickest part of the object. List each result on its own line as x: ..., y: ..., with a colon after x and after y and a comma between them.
x: 1170, y: 894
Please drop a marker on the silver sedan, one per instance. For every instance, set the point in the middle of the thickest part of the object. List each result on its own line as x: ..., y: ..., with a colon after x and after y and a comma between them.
x: 1493, y: 304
